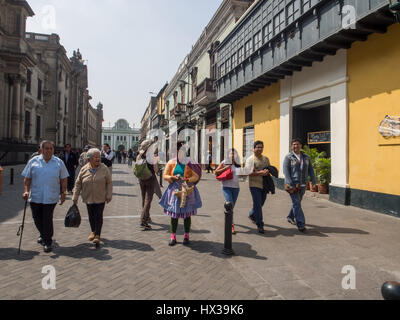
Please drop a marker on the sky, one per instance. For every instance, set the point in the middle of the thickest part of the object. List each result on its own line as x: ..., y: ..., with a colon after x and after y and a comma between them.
x: 131, y: 47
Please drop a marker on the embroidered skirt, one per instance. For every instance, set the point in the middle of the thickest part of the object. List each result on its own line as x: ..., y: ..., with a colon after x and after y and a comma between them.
x: 172, y: 204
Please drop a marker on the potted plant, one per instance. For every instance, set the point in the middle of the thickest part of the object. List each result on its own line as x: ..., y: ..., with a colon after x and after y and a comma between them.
x: 323, y: 172
x: 314, y: 155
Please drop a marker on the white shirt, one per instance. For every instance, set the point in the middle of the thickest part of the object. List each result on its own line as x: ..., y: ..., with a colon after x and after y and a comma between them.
x: 300, y: 160
x: 233, y: 183
x: 45, y: 186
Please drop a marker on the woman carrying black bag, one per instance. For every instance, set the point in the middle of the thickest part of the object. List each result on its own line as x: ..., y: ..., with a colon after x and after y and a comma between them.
x: 95, y: 184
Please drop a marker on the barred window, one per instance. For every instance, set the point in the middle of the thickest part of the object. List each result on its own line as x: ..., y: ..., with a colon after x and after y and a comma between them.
x: 293, y: 11
x: 257, y: 40
x: 234, y: 60
x: 279, y: 22
x: 247, y: 48
x: 228, y: 65
x: 268, y: 32
x: 240, y: 55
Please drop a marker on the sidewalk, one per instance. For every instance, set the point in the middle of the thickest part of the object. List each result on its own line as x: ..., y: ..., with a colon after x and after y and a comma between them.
x: 132, y: 264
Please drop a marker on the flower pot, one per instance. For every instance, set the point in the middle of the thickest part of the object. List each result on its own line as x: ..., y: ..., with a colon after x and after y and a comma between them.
x: 323, y: 189
x: 313, y: 189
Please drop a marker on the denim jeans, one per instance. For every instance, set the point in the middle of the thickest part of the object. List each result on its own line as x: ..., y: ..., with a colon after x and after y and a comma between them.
x: 296, y: 212
x: 231, y: 195
x: 259, y: 197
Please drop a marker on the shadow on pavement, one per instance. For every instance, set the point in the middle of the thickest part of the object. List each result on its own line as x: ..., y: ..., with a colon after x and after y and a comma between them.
x: 127, y: 245
x: 121, y: 183
x: 125, y: 195
x: 312, y: 230
x: 12, y: 254
x: 215, y: 249
x: 166, y: 227
x: 80, y: 251
x: 120, y: 172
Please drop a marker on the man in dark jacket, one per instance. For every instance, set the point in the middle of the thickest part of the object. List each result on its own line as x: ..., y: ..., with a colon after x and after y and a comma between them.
x: 71, y: 162
x: 297, y: 168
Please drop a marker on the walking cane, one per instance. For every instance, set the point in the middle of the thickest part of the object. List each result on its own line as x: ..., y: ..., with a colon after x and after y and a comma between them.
x: 21, y: 228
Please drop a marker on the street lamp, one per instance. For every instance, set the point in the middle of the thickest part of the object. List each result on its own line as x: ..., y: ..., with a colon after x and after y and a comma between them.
x: 394, y: 7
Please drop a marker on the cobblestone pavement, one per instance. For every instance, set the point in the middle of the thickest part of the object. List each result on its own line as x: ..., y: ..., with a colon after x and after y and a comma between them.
x: 135, y: 264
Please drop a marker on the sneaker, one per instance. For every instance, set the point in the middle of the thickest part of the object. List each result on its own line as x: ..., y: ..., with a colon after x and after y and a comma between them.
x: 260, y: 230
x: 303, y: 230
x: 233, y: 229
x: 172, y: 242
x: 291, y: 221
x: 186, y: 241
x: 47, y: 248
x: 40, y: 241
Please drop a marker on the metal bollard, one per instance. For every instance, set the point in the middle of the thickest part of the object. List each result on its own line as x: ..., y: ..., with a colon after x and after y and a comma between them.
x: 391, y: 290
x: 12, y: 176
x: 228, y: 229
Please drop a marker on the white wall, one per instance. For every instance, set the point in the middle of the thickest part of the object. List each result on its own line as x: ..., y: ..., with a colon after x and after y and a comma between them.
x: 324, y: 79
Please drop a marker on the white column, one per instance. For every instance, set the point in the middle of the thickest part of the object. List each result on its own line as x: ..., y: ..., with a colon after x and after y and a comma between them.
x: 285, y: 131
x: 339, y: 135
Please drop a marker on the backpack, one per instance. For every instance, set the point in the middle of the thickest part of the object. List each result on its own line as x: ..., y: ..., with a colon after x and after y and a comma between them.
x: 141, y: 170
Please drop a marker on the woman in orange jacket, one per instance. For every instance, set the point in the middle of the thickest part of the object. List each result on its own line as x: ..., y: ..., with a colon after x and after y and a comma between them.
x: 181, y: 199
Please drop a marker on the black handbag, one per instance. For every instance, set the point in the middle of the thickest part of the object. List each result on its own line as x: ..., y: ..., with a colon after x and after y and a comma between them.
x: 73, y: 218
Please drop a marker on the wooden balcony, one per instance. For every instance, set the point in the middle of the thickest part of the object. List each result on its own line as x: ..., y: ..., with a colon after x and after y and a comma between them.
x: 206, y: 93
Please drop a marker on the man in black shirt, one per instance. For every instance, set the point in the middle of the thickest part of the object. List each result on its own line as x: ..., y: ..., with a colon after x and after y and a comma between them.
x: 107, y: 156
x: 71, y: 162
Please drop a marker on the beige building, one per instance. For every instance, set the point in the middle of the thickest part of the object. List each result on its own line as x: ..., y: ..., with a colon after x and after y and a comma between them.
x: 43, y: 93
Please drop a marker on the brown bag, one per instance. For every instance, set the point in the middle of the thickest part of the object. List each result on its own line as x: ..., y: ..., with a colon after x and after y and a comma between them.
x: 292, y: 190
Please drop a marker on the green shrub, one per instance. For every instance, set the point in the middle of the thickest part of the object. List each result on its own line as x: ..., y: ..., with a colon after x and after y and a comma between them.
x: 323, y: 170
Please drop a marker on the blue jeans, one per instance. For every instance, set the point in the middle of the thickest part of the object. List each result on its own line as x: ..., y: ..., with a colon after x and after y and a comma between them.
x: 296, y: 212
x: 231, y: 194
x: 259, y: 197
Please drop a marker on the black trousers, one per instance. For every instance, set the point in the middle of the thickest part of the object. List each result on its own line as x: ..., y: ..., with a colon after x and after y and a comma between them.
x: 71, y: 180
x: 43, y: 217
x: 95, y: 212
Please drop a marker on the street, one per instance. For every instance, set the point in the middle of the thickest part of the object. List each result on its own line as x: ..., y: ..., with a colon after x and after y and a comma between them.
x: 134, y: 264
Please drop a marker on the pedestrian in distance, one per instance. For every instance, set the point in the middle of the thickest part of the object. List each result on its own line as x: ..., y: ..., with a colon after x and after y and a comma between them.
x: 37, y: 153
x: 45, y: 176
x: 181, y: 199
x: 230, y: 187
x: 148, y: 187
x: 130, y: 157
x: 256, y: 164
x: 70, y: 160
x: 297, y: 167
x: 209, y: 162
x: 107, y: 156
x: 94, y: 184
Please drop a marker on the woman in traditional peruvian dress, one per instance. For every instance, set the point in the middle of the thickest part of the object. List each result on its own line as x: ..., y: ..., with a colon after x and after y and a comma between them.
x: 182, y: 198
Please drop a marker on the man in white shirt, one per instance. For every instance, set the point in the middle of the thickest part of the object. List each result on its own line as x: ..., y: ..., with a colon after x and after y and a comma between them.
x: 107, y: 156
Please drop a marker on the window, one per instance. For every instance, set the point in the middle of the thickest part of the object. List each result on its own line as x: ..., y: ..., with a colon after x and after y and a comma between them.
x: 65, y: 105
x: 248, y: 114
x: 66, y: 81
x: 65, y: 135
x: 28, y: 80
x: 306, y: 5
x: 228, y: 65
x: 105, y: 138
x: 268, y: 32
x: 240, y: 55
x: 27, y: 123
x: 293, y: 11
x: 257, y: 40
x: 247, y: 48
x: 109, y: 138
x: 59, y: 100
x: 124, y: 138
x: 234, y: 60
x: 39, y: 95
x: 248, y: 142
x: 38, y: 127
x: 279, y: 22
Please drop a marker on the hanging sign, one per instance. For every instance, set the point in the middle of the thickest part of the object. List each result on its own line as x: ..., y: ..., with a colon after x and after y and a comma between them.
x: 320, y: 137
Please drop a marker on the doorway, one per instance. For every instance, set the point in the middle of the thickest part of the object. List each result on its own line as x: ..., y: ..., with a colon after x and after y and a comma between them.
x: 312, y: 124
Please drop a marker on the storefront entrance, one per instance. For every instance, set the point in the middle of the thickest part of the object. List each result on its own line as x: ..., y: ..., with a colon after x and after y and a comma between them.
x: 312, y: 124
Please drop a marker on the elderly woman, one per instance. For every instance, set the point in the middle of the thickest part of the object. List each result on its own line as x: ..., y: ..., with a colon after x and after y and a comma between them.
x: 181, y: 173
x: 95, y: 184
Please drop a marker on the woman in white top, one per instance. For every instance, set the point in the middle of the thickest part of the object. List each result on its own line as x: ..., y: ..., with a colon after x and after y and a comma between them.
x: 230, y: 188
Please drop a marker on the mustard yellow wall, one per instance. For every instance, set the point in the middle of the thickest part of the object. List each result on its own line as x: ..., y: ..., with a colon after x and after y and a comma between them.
x: 374, y: 92
x: 266, y: 115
